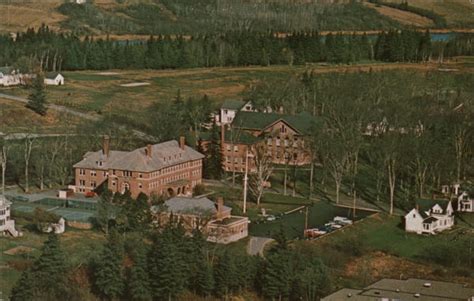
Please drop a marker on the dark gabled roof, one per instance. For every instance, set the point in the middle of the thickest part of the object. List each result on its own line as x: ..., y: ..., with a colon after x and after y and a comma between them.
x: 233, y: 104
x: 51, y: 75
x: 240, y: 137
x: 429, y: 220
x: 302, y: 122
x: 198, y: 206
x: 425, y: 205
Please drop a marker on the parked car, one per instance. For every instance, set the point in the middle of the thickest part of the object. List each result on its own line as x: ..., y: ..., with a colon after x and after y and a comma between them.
x: 333, y: 225
x: 342, y: 220
x: 271, y: 218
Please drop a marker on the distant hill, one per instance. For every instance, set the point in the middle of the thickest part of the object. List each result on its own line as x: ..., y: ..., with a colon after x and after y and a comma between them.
x: 200, y: 16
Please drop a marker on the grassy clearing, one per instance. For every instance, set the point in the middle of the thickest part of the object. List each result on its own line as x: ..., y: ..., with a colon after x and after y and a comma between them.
x: 458, y: 13
x: 378, y: 247
x: 15, y: 117
x: 77, y: 244
x: 403, y: 17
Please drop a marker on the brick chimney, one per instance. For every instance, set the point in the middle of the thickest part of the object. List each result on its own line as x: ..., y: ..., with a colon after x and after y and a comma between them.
x: 148, y: 150
x: 220, y: 207
x: 106, y: 145
x: 222, y: 137
x: 182, y: 143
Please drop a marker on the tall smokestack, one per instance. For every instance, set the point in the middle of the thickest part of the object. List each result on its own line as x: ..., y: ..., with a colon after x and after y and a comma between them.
x: 106, y: 145
x: 148, y: 150
x: 182, y: 141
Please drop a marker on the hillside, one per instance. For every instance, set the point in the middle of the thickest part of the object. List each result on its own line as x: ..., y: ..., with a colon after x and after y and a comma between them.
x: 190, y: 16
x: 201, y: 16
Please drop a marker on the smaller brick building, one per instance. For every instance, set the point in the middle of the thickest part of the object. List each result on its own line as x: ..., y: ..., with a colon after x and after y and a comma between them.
x: 213, y: 219
x: 168, y: 168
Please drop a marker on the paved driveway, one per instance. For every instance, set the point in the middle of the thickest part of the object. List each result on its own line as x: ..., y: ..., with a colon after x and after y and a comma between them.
x: 257, y: 245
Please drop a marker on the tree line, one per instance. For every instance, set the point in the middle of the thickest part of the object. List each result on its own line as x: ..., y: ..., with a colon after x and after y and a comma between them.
x: 142, y: 262
x: 397, y: 137
x: 51, y: 51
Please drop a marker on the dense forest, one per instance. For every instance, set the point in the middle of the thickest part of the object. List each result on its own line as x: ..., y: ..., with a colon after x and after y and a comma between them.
x: 204, y: 16
x: 53, y: 51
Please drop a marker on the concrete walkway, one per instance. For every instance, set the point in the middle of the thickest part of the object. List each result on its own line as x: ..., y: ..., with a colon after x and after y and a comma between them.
x: 257, y: 245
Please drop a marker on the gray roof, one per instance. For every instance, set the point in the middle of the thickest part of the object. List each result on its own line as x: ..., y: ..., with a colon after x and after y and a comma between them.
x: 163, y: 155
x: 405, y: 290
x: 51, y: 75
x: 184, y: 205
x: 4, y: 201
x: 6, y: 70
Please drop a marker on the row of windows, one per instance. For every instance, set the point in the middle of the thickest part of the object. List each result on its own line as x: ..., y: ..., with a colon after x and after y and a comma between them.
x: 175, y: 168
x: 286, y: 142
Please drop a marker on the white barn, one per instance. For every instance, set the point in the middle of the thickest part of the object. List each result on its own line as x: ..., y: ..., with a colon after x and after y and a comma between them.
x: 465, y: 202
x: 432, y: 218
x: 54, y: 79
x: 7, y: 225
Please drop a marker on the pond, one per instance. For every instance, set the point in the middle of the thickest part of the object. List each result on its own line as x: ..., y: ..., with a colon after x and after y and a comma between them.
x: 319, y: 214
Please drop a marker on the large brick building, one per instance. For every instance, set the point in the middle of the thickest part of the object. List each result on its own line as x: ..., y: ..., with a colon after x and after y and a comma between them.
x: 168, y: 168
x: 284, y: 137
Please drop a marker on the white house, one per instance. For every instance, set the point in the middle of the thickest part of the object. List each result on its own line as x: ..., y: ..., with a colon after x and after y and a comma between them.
x: 230, y: 108
x: 7, y: 225
x: 434, y: 217
x: 10, y: 77
x: 54, y: 79
x: 465, y: 202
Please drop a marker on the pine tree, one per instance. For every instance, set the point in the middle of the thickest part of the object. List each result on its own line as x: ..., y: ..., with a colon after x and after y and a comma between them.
x: 37, y: 99
x: 213, y: 156
x: 224, y: 274
x: 24, y: 289
x: 109, y: 280
x: 276, y: 278
x: 138, y: 283
x: 204, y: 278
x: 48, y: 276
x: 167, y: 268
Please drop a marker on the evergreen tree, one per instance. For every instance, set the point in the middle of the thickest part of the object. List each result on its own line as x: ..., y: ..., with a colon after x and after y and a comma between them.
x: 204, y: 284
x: 138, y: 283
x: 213, y: 156
x: 276, y: 276
x: 225, y: 274
x: 105, y: 210
x: 24, y: 289
x: 109, y: 280
x: 37, y: 99
x: 47, y: 279
x: 167, y: 268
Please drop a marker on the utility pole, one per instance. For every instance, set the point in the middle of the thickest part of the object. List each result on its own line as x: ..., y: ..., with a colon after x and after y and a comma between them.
x: 244, y: 209
x: 306, y: 219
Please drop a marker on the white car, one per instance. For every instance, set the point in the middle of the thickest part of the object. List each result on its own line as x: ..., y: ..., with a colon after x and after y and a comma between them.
x: 342, y: 220
x: 271, y: 218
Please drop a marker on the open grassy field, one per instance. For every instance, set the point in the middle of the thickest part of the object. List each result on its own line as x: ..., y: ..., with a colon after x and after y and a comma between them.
x: 403, y: 17
x: 458, y: 13
x: 97, y: 92
x: 378, y: 247
x: 15, y: 117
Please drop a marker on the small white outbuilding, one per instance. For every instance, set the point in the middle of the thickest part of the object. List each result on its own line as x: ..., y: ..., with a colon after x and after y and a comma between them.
x: 54, y: 79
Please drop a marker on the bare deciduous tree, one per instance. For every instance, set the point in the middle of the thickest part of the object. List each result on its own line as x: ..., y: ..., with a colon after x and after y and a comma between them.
x: 262, y: 172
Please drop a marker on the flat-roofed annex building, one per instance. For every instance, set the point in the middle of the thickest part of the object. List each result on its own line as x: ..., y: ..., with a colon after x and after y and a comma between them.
x: 406, y: 290
x: 168, y: 168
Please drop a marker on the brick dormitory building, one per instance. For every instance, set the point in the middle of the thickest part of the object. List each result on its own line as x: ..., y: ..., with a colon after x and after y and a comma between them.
x: 243, y: 128
x: 169, y: 168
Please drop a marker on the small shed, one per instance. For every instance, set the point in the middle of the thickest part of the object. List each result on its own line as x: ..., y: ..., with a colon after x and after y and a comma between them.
x: 54, y: 79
